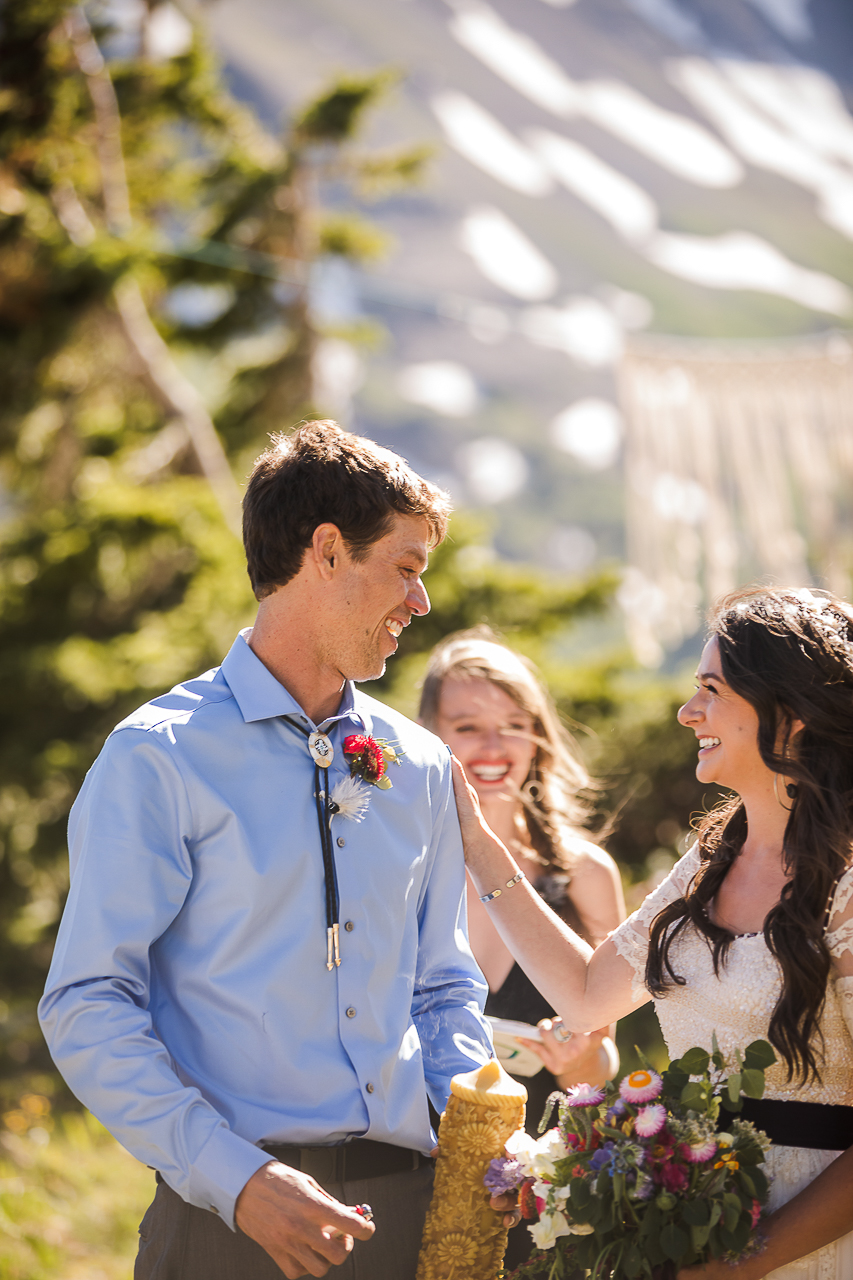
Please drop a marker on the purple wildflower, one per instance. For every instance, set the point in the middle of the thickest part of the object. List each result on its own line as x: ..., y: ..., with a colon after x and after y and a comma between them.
x: 503, y: 1174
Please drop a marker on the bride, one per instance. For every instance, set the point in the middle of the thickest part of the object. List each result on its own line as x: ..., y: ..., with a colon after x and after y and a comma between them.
x: 751, y: 935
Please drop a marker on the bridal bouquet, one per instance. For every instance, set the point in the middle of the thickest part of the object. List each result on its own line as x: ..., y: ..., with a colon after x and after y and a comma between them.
x: 636, y: 1180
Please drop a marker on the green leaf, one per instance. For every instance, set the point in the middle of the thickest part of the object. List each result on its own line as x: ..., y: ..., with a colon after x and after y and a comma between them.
x: 717, y: 1057
x: 696, y: 1213
x: 731, y: 1210
x: 699, y: 1237
x: 742, y: 1232
x: 694, y: 1061
x: 694, y: 1096
x: 674, y: 1241
x: 752, y: 1082
x: 733, y: 1086
x: 746, y: 1183
x: 580, y: 1193
x: 759, y: 1054
x: 674, y: 1080
x: 650, y: 1222
x: 632, y: 1262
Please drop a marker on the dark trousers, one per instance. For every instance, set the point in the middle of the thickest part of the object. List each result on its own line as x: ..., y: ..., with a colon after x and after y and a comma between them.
x: 178, y: 1241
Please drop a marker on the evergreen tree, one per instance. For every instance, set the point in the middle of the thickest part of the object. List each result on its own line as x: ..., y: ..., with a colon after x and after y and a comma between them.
x: 125, y: 182
x: 150, y: 230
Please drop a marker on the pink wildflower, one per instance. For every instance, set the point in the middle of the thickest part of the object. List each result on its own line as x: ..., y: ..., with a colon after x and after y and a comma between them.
x: 650, y: 1120
x: 584, y: 1095
x: 700, y: 1151
x: 641, y: 1086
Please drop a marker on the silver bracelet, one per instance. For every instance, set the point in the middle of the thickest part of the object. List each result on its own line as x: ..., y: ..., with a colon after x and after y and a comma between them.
x: 496, y: 893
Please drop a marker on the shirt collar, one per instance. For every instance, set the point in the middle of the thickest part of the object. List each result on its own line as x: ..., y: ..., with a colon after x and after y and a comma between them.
x: 261, y: 697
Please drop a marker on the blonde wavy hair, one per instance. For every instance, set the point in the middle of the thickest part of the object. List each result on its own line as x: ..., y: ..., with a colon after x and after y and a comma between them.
x: 556, y: 792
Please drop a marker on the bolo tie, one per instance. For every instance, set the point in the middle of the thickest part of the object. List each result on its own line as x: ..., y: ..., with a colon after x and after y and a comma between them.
x: 322, y: 753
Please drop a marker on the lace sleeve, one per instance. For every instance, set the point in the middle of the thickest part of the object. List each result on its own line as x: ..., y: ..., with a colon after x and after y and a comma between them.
x: 631, y: 939
x: 839, y: 933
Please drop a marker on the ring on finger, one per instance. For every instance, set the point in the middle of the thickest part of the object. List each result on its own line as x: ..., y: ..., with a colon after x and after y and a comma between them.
x: 561, y: 1033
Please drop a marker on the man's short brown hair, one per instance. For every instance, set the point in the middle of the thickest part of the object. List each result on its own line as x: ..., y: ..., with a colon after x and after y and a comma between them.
x: 322, y: 473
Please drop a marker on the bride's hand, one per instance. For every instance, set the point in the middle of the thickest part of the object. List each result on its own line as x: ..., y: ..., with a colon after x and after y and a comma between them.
x: 478, y: 838
x: 471, y: 818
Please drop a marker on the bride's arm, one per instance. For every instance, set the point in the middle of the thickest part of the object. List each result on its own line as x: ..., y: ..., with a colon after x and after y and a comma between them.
x: 588, y: 989
x: 821, y: 1213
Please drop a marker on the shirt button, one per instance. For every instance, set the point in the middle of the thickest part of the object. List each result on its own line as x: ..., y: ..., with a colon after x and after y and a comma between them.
x: 341, y: 842
x: 349, y: 926
x: 350, y: 1012
x: 370, y: 1087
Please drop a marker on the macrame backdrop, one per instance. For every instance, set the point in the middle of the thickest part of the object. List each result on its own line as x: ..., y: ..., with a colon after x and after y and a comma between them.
x: 738, y: 468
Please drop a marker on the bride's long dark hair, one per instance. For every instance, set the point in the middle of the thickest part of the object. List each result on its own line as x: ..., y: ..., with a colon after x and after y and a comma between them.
x: 790, y: 655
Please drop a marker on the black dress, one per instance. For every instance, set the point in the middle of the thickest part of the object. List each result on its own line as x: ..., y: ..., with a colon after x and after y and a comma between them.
x: 517, y: 998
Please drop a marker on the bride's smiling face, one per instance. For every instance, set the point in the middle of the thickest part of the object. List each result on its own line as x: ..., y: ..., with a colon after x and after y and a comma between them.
x: 726, y: 726
x: 488, y: 732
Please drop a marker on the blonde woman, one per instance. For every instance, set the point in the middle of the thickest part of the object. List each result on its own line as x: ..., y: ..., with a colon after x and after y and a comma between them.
x: 489, y: 706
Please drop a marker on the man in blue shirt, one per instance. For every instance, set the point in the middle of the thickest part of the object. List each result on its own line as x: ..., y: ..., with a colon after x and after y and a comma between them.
x: 263, y: 971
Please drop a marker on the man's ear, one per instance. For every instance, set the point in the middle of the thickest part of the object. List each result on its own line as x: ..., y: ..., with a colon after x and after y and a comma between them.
x: 326, y: 546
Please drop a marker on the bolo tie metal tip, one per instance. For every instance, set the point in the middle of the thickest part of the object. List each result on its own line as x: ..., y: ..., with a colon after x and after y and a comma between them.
x: 330, y: 949
x: 337, y: 941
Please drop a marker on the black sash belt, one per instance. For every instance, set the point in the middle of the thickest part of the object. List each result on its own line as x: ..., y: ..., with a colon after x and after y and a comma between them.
x: 797, y: 1124
x: 350, y: 1162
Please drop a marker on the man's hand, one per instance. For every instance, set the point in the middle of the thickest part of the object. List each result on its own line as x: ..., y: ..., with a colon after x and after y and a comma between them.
x: 303, y: 1229
x: 507, y: 1204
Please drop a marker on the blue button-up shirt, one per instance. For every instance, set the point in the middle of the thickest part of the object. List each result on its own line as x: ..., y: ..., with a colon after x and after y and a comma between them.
x: 189, y: 1005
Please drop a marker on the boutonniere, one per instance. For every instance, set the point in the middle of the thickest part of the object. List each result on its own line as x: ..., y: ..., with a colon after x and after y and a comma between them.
x: 368, y: 767
x: 369, y: 759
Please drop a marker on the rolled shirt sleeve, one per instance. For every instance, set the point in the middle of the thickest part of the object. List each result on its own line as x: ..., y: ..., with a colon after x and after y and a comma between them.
x: 450, y: 990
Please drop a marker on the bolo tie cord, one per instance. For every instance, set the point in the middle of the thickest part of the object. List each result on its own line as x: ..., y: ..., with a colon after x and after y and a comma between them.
x: 325, y: 811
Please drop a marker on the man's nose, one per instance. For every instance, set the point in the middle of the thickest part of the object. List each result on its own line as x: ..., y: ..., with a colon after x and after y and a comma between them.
x: 417, y: 601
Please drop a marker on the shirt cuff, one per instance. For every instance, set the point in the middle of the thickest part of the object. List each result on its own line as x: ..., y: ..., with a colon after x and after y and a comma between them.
x: 225, y: 1164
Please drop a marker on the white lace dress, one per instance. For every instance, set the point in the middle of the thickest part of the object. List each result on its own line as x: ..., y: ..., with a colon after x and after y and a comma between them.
x: 738, y: 1005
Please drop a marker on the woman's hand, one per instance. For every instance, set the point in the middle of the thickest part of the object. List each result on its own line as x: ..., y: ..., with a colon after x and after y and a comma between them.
x: 471, y: 819
x: 485, y: 856
x: 577, y: 1060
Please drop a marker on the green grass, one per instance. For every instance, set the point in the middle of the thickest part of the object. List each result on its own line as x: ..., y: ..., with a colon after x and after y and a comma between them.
x: 70, y: 1197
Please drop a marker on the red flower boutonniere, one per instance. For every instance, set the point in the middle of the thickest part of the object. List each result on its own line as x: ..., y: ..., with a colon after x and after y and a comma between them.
x: 369, y: 759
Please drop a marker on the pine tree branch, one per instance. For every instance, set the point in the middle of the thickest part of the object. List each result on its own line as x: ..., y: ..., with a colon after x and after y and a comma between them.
x: 175, y: 390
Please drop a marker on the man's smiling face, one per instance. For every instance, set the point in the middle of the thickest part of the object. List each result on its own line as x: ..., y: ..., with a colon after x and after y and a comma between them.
x: 376, y: 597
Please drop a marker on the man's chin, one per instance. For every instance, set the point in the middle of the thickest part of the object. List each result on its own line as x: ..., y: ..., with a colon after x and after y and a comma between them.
x: 363, y: 675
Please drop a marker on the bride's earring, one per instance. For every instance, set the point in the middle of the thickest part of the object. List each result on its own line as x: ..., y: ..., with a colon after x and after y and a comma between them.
x: 790, y: 787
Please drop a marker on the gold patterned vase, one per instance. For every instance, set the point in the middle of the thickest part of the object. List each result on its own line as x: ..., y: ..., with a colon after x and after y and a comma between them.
x: 463, y: 1238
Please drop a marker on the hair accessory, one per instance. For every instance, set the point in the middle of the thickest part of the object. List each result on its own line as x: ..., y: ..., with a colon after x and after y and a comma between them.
x: 496, y: 893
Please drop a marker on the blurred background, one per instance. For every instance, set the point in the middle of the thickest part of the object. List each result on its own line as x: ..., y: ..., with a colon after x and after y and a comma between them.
x: 586, y: 265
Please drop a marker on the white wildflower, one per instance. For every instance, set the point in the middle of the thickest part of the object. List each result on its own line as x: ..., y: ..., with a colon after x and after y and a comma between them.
x: 350, y: 798
x: 549, y: 1228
